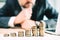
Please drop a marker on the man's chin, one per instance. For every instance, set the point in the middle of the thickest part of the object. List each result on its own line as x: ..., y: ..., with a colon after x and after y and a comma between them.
x: 27, y: 6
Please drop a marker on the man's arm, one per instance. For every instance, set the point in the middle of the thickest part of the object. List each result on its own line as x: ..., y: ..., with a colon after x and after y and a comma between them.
x: 5, y: 15
x: 52, y: 16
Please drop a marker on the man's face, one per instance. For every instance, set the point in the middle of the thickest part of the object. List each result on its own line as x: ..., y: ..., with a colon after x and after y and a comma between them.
x: 26, y: 3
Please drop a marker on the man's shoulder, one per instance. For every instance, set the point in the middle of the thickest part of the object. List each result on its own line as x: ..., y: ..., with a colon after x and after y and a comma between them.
x: 11, y: 1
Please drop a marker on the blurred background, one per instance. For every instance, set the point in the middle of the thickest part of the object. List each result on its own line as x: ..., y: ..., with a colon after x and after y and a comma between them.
x: 2, y: 2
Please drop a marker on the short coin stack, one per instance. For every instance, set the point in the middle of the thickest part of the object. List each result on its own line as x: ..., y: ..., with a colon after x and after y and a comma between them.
x: 28, y: 33
x: 6, y: 35
x: 20, y: 34
x: 13, y: 34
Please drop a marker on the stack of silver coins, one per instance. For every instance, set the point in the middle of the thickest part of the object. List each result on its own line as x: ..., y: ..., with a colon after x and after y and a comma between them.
x: 34, y: 31
x: 6, y: 35
x: 28, y: 33
x: 41, y: 29
x: 13, y: 34
x: 21, y: 34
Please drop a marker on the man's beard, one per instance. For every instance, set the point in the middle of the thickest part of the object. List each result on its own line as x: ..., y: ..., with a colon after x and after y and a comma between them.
x: 28, y: 4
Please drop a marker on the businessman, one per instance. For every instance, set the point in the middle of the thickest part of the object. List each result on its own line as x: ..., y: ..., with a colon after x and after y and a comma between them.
x: 27, y: 13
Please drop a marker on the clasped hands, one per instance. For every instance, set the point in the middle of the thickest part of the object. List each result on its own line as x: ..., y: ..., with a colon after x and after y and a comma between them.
x: 23, y: 18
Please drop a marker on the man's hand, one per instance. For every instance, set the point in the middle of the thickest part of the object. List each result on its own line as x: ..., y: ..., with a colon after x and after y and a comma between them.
x: 23, y: 15
x: 28, y: 24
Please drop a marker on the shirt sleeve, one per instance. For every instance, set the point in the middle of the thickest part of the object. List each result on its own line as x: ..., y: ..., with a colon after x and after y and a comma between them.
x: 11, y: 22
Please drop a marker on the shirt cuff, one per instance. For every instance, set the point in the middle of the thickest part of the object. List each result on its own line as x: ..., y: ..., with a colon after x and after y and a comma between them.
x: 11, y: 22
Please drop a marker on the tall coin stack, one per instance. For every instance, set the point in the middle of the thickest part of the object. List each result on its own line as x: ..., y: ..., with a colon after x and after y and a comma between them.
x: 34, y: 31
x: 41, y: 29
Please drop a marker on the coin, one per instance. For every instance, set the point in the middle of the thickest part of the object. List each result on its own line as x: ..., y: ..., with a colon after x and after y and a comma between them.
x: 41, y: 29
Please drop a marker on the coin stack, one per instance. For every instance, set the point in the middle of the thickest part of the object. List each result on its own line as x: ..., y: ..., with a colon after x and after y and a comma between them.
x: 6, y: 35
x: 28, y: 33
x: 21, y: 34
x: 34, y: 31
x: 13, y: 34
x: 38, y: 31
x: 41, y: 29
